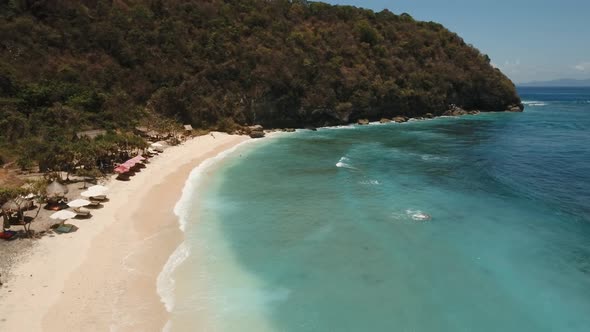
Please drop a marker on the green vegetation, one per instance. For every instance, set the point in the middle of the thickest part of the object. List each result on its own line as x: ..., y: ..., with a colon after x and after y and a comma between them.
x: 67, y: 66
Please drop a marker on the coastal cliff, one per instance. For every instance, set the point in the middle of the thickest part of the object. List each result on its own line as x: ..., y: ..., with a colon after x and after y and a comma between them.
x: 76, y: 65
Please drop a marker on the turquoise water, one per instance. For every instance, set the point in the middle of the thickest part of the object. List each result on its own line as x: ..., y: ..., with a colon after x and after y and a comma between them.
x: 316, y: 231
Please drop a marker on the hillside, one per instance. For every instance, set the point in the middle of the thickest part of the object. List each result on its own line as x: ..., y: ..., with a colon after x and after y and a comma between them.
x: 68, y: 65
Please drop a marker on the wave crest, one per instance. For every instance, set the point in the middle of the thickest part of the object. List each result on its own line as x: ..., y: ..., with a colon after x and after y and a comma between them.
x: 165, y: 282
x: 534, y: 103
x: 418, y: 215
x: 344, y: 163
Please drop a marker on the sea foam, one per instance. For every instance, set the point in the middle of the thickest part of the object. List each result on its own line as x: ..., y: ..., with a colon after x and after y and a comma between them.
x: 165, y: 281
x: 194, y: 179
x: 344, y: 162
x: 534, y: 103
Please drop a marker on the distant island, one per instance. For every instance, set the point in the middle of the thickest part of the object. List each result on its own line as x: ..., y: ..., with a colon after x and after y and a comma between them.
x: 564, y: 82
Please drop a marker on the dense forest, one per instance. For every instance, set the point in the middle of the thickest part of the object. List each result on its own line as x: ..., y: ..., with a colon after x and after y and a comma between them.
x: 68, y: 65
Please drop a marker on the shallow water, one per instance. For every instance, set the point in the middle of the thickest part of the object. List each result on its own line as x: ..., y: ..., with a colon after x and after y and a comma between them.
x: 317, y: 231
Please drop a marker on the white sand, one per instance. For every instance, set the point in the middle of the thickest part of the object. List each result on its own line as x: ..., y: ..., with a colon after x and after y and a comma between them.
x: 103, y: 277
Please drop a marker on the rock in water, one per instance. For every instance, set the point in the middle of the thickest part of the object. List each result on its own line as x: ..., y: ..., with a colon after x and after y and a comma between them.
x: 384, y: 120
x: 363, y: 121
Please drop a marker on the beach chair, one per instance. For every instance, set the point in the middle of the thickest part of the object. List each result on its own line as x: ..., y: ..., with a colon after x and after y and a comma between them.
x: 94, y: 202
x: 82, y: 212
x: 98, y: 198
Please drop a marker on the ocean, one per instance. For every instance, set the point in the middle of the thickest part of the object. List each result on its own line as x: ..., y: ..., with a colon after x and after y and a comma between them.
x: 473, y: 223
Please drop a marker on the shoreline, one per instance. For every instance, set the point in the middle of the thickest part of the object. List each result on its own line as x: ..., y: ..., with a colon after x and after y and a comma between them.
x: 103, y: 277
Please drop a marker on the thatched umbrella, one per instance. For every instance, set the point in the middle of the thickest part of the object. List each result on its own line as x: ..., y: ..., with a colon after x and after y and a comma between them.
x: 56, y: 190
x: 11, y: 205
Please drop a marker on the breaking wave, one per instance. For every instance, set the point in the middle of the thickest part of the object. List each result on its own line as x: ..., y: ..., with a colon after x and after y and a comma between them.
x: 344, y: 163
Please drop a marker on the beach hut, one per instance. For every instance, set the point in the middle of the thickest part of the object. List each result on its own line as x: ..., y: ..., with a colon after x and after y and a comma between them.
x: 13, y: 213
x: 188, y: 129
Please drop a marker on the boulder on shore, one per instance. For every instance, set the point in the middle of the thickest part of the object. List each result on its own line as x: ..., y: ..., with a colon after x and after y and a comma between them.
x: 256, y: 128
x: 363, y: 121
x: 400, y: 119
x: 429, y: 115
x: 455, y: 111
x: 257, y: 134
x: 474, y: 112
x: 384, y: 120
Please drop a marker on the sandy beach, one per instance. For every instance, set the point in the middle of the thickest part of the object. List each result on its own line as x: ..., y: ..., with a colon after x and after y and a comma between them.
x: 103, y: 277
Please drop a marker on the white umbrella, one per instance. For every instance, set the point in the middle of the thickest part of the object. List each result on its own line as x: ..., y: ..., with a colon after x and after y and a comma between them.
x: 98, y: 188
x: 92, y: 193
x: 78, y: 203
x: 157, y: 145
x: 63, y: 215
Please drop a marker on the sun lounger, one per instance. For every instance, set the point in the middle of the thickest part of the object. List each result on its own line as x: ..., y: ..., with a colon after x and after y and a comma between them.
x: 82, y: 212
x: 98, y: 198
x: 94, y: 202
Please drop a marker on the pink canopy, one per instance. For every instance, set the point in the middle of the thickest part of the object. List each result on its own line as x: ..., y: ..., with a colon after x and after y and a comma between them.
x: 121, y: 169
x: 129, y: 163
x: 138, y: 158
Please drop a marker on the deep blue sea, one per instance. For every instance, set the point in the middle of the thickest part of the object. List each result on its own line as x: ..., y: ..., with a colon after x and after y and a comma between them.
x: 322, y: 231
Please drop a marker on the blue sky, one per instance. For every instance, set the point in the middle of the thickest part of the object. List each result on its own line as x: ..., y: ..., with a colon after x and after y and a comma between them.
x: 527, y: 39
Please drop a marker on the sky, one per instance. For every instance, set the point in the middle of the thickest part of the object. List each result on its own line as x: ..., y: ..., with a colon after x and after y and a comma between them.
x: 529, y: 40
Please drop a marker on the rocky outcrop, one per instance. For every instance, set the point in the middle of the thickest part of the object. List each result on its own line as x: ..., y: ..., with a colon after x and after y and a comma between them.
x: 455, y: 110
x: 256, y: 131
x: 363, y: 121
x: 384, y: 120
x: 515, y: 108
x: 257, y: 134
x: 400, y: 119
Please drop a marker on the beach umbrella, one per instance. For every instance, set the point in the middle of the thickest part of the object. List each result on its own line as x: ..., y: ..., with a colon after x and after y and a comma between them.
x: 98, y: 188
x: 92, y: 193
x: 56, y: 189
x: 78, y: 203
x: 157, y: 145
x: 63, y: 215
x: 11, y: 205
